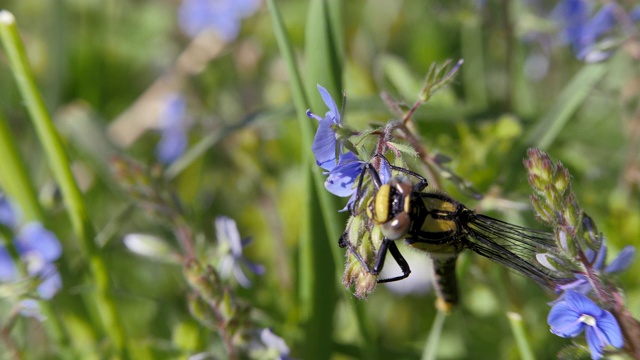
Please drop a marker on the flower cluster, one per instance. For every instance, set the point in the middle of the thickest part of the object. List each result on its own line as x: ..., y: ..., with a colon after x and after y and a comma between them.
x: 220, y: 16
x: 38, y: 249
x: 580, y: 259
x: 592, y: 35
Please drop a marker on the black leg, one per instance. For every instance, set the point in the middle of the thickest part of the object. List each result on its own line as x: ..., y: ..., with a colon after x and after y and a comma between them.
x: 382, y: 254
x: 422, y: 182
x: 397, y: 256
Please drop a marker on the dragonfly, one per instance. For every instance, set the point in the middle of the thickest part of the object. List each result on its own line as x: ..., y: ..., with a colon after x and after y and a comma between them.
x: 429, y: 220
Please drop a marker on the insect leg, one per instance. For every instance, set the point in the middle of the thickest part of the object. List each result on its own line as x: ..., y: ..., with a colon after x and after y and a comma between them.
x: 397, y: 256
x: 422, y: 181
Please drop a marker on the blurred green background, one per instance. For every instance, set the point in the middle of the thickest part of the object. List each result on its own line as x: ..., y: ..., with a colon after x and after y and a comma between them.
x: 103, y: 68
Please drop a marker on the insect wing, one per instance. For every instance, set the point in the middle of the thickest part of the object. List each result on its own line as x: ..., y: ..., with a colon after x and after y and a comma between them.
x: 511, y: 245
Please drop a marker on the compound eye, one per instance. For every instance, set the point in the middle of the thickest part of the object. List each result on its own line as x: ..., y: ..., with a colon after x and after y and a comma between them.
x: 396, y: 228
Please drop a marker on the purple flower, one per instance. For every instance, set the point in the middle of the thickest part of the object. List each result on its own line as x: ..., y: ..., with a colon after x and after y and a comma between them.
x: 173, y: 126
x: 220, y: 16
x: 577, y: 313
x: 233, y: 261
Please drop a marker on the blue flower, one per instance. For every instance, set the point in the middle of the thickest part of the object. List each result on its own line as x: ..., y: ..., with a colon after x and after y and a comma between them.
x: 583, y: 31
x: 577, y: 313
x: 275, y: 344
x: 173, y: 126
x: 325, y: 143
x: 220, y: 16
x: 38, y: 249
x: 233, y: 261
x: 620, y: 263
x: 342, y: 177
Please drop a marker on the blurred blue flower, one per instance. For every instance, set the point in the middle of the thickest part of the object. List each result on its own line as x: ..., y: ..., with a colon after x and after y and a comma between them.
x: 220, y: 16
x: 275, y: 343
x: 325, y: 141
x: 583, y: 31
x: 577, y: 313
x: 233, y: 261
x: 173, y: 126
x: 38, y: 249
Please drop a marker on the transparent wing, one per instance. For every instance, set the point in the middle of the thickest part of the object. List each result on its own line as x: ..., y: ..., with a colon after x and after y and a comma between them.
x: 511, y: 245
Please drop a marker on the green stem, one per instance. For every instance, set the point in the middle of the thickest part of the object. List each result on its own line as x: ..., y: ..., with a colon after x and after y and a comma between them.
x: 59, y: 165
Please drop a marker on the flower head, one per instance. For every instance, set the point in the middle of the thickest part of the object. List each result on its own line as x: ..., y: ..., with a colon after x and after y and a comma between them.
x: 173, y: 126
x: 220, y: 16
x: 577, y: 313
x: 233, y: 261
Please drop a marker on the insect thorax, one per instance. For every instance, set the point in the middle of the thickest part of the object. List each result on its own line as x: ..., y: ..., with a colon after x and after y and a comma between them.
x: 435, y: 226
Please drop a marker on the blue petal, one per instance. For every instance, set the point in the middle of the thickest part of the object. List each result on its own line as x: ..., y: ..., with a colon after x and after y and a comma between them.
x: 324, y: 145
x: 601, y: 22
x: 51, y: 282
x: 572, y: 15
x: 602, y: 254
x: 582, y: 304
x: 635, y: 14
x: 222, y: 17
x: 273, y: 341
x: 622, y: 261
x: 7, y: 267
x: 385, y: 172
x: 33, y: 237
x: 239, y: 275
x: 171, y: 146
x: 334, y: 112
x: 173, y: 124
x: 564, y: 320
x: 7, y: 215
x: 342, y: 178
x: 609, y: 327
x: 595, y: 343
x: 227, y: 231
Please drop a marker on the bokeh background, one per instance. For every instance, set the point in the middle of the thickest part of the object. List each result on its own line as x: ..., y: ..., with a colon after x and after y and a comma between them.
x: 119, y: 78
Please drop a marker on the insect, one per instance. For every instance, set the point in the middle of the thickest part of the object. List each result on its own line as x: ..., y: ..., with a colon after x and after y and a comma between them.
x: 431, y: 221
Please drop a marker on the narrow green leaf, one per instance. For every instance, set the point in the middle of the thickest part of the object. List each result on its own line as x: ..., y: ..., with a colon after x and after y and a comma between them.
x: 517, y: 327
x: 431, y: 345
